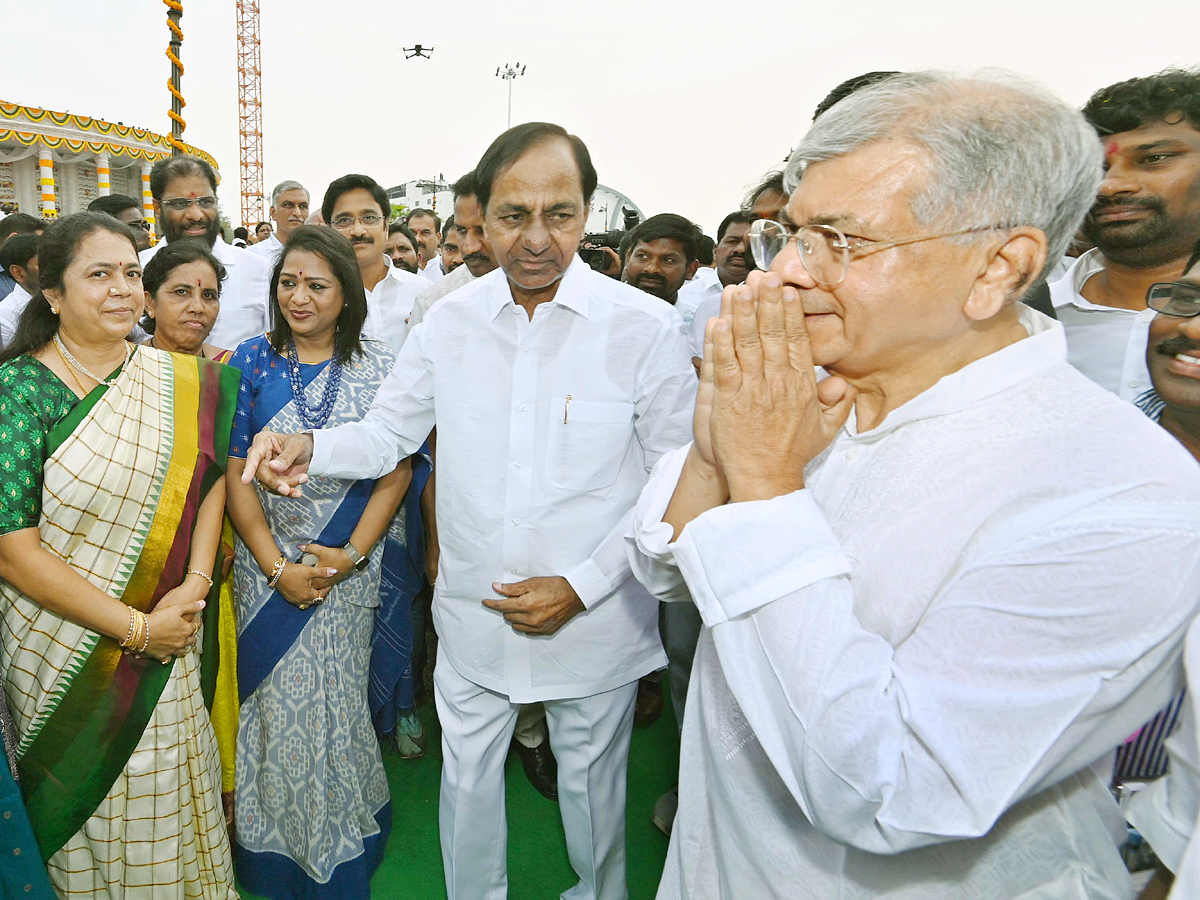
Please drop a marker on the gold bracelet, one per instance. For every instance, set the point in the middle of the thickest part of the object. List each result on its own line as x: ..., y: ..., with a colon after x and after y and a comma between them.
x: 202, y: 575
x: 277, y: 571
x: 146, y: 639
x: 136, y: 638
x: 125, y: 644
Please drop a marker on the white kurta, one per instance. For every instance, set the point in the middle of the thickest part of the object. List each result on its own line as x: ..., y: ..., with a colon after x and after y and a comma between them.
x: 270, y: 249
x: 11, y: 308
x: 389, y: 303
x: 245, y: 294
x: 704, y: 286
x: 1105, y: 343
x: 908, y: 666
x: 547, y: 430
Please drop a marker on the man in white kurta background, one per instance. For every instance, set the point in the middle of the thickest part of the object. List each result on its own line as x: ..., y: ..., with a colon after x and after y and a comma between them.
x: 939, y: 585
x: 289, y: 209
x: 554, y: 390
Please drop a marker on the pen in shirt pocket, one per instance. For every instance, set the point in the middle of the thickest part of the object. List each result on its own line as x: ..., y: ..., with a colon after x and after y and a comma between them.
x: 566, y: 409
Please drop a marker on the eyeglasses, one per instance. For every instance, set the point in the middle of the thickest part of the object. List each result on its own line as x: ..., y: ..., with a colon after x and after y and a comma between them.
x: 140, y: 223
x: 1174, y: 298
x: 370, y: 220
x: 824, y: 250
x: 179, y: 204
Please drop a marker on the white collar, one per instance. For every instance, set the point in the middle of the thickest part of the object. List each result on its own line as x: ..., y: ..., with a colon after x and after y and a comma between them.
x: 1045, y: 349
x: 1070, y: 286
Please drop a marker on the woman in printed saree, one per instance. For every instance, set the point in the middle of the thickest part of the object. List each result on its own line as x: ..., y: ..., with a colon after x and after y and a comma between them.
x: 312, y: 807
x: 182, y: 282
x: 111, y: 495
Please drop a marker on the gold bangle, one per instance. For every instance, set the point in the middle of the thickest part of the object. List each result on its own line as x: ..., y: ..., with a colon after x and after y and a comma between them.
x: 146, y: 639
x: 202, y: 575
x: 277, y: 571
x: 125, y: 644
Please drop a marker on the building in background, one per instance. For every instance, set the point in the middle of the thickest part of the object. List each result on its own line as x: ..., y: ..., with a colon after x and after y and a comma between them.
x: 54, y: 163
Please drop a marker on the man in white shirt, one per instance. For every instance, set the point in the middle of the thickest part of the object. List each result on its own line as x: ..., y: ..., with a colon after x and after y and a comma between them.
x: 554, y: 389
x: 450, y: 253
x: 942, y: 583
x: 358, y: 208
x: 1144, y: 222
x: 426, y: 226
x: 698, y: 301
x: 660, y: 255
x: 185, y: 206
x: 289, y: 209
x: 18, y: 260
x: 478, y: 258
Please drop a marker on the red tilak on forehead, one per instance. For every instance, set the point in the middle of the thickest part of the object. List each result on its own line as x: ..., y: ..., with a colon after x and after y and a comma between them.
x: 1111, y: 149
x: 192, y: 194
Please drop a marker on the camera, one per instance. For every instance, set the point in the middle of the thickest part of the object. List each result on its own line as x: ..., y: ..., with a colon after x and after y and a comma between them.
x: 589, y: 248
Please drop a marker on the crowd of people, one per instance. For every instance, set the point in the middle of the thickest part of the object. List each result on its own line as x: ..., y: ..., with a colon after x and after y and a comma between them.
x: 892, y: 483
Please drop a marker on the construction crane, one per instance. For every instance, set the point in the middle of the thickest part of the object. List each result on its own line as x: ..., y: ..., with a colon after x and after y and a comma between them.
x: 250, y: 155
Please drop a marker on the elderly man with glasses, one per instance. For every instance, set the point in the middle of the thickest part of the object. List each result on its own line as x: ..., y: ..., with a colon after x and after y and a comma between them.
x: 184, y: 189
x: 943, y: 582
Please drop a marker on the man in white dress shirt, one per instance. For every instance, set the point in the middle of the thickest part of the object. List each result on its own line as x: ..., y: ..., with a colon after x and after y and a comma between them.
x: 698, y: 301
x: 1144, y: 222
x: 478, y: 258
x: 289, y: 209
x: 660, y: 255
x: 18, y: 260
x: 554, y: 389
x: 426, y: 226
x: 185, y: 206
x: 358, y: 208
x: 943, y: 582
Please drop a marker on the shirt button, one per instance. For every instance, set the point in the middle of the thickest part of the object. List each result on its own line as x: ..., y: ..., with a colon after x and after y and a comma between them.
x: 512, y: 571
x: 516, y: 521
x: 1134, y: 384
x: 521, y: 408
x: 524, y: 352
x: 518, y: 465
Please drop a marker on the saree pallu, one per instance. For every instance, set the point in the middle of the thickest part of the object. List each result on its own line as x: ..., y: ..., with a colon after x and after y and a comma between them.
x: 312, y: 807
x: 117, y: 758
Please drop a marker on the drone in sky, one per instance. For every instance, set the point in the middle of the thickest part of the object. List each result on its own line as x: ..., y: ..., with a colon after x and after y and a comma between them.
x: 419, y: 50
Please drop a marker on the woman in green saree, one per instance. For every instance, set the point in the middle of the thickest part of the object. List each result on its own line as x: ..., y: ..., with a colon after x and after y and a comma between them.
x: 111, y: 500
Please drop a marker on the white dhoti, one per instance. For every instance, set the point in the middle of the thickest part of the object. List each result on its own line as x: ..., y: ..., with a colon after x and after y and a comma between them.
x: 590, y: 738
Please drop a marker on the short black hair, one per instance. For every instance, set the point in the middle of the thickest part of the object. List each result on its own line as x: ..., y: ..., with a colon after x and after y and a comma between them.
x: 404, y: 230
x: 261, y: 224
x: 421, y: 211
x: 114, y: 204
x: 241, y: 232
x: 1173, y: 95
x: 848, y: 87
x: 665, y: 225
x: 18, y: 251
x: 167, y: 170
x: 448, y: 225
x: 347, y: 183
x: 513, y: 144
x: 704, y: 252
x: 19, y: 223
x: 738, y: 216
x: 465, y: 186
x: 336, y: 250
x: 772, y: 181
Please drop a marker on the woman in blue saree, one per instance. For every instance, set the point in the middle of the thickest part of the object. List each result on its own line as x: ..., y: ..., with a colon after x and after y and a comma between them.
x: 312, y: 811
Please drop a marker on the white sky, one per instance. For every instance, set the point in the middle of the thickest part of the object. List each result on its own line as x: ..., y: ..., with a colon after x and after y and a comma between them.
x: 682, y: 104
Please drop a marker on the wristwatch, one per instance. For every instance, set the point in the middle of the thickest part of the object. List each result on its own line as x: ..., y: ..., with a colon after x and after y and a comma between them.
x: 360, y: 561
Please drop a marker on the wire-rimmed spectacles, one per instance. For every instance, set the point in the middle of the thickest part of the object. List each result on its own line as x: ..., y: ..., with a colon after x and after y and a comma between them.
x: 825, y: 251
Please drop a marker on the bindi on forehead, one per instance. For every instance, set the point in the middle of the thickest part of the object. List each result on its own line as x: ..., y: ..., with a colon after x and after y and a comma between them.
x: 1111, y: 150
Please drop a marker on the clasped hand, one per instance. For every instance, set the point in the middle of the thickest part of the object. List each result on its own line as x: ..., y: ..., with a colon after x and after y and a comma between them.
x: 279, y: 461
x: 761, y: 415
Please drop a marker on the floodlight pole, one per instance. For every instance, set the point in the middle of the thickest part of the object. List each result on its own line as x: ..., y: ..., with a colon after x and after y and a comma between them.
x: 509, y: 72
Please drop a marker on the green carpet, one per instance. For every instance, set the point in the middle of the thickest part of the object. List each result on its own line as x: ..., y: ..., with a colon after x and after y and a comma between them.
x: 537, y: 851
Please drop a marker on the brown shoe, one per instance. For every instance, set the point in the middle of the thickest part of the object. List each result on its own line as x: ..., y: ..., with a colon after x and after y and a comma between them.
x: 649, y: 704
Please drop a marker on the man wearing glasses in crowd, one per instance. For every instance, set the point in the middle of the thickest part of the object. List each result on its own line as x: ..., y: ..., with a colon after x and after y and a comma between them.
x: 358, y: 208
x: 125, y: 209
x: 185, y: 205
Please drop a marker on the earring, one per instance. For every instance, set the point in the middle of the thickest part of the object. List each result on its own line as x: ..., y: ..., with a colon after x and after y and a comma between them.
x: 53, y: 311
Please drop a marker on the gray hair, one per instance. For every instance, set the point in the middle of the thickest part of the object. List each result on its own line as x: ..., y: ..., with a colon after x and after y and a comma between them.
x: 284, y: 186
x: 1001, y: 151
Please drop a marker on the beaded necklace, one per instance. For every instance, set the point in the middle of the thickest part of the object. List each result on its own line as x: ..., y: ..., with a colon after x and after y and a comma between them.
x: 313, y: 417
x: 73, y: 363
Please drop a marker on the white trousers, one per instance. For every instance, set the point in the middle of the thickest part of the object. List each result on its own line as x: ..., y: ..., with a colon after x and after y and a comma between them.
x: 590, y: 739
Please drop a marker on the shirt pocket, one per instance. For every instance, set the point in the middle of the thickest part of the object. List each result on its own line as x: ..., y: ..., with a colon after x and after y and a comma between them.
x: 587, y: 442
